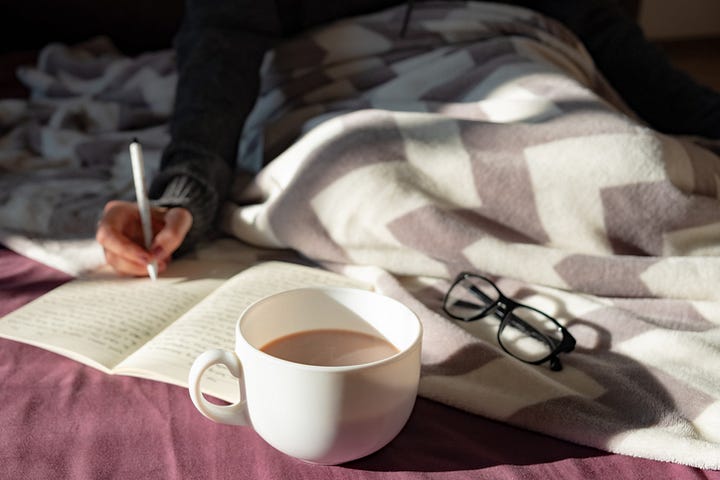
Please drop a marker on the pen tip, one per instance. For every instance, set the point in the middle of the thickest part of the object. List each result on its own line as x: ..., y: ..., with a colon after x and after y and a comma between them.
x: 135, y: 140
x: 152, y: 270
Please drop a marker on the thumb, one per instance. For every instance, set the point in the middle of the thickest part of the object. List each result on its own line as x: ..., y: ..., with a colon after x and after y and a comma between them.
x: 178, y: 221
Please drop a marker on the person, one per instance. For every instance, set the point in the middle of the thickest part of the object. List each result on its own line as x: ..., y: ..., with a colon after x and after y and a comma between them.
x: 220, y: 48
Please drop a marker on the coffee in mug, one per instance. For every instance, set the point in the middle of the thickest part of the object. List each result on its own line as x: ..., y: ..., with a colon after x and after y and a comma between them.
x: 330, y: 348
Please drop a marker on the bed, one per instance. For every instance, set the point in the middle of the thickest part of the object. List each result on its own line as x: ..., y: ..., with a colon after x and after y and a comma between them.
x: 624, y: 294
x: 62, y: 419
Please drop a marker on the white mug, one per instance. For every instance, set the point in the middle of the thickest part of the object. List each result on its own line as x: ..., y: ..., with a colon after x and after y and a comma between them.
x: 320, y: 414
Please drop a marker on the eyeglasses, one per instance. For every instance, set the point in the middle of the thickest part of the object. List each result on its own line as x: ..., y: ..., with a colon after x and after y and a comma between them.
x: 524, y: 332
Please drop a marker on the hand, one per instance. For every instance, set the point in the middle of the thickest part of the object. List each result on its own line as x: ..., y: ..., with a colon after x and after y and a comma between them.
x: 120, y: 234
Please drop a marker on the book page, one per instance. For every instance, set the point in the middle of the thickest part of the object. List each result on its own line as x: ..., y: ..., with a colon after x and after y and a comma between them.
x: 101, y: 319
x: 211, y: 324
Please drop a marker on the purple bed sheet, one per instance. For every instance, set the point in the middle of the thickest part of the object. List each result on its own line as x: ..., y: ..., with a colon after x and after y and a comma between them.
x: 61, y: 419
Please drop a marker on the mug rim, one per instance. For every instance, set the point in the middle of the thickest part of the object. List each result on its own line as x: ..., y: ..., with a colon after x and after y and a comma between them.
x: 414, y: 343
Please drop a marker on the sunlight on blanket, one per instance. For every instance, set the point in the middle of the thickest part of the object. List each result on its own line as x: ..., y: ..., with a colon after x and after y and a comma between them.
x: 607, y: 160
x: 496, y: 394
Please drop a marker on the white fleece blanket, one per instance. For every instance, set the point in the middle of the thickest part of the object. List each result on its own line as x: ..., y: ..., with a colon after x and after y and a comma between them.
x: 482, y: 141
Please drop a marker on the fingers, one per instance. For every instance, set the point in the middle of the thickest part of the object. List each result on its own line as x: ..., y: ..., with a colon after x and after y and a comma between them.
x: 128, y: 266
x: 120, y: 234
x: 177, y: 224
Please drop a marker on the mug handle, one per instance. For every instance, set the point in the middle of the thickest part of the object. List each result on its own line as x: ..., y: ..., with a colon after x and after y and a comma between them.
x: 234, y: 414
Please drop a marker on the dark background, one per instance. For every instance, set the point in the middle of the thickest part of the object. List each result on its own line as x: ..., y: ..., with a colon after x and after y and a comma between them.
x: 137, y: 26
x: 133, y: 25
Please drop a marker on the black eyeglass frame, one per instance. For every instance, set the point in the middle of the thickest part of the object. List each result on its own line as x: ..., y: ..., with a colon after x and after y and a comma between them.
x: 502, y: 308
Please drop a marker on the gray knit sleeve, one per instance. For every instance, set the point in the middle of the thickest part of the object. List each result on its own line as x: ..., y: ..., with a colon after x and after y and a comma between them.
x: 220, y: 48
x: 195, y: 179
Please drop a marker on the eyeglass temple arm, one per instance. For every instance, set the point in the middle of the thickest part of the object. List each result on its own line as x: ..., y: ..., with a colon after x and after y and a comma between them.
x: 525, y: 328
x: 480, y: 294
x: 512, y: 319
x: 568, y: 341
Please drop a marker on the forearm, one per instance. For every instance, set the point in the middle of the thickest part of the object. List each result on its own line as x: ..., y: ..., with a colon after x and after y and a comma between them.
x: 217, y: 87
x: 219, y: 48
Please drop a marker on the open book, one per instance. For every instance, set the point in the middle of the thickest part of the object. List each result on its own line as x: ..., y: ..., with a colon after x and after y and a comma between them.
x: 155, y: 330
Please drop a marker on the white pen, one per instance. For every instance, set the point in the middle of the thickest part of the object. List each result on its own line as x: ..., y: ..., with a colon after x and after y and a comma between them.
x: 138, y: 168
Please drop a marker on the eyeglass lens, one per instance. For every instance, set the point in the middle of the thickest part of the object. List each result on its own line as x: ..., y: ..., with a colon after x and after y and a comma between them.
x: 529, y: 334
x: 471, y: 297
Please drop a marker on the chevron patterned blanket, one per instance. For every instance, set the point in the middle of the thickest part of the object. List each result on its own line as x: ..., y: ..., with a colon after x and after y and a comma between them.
x: 483, y: 141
